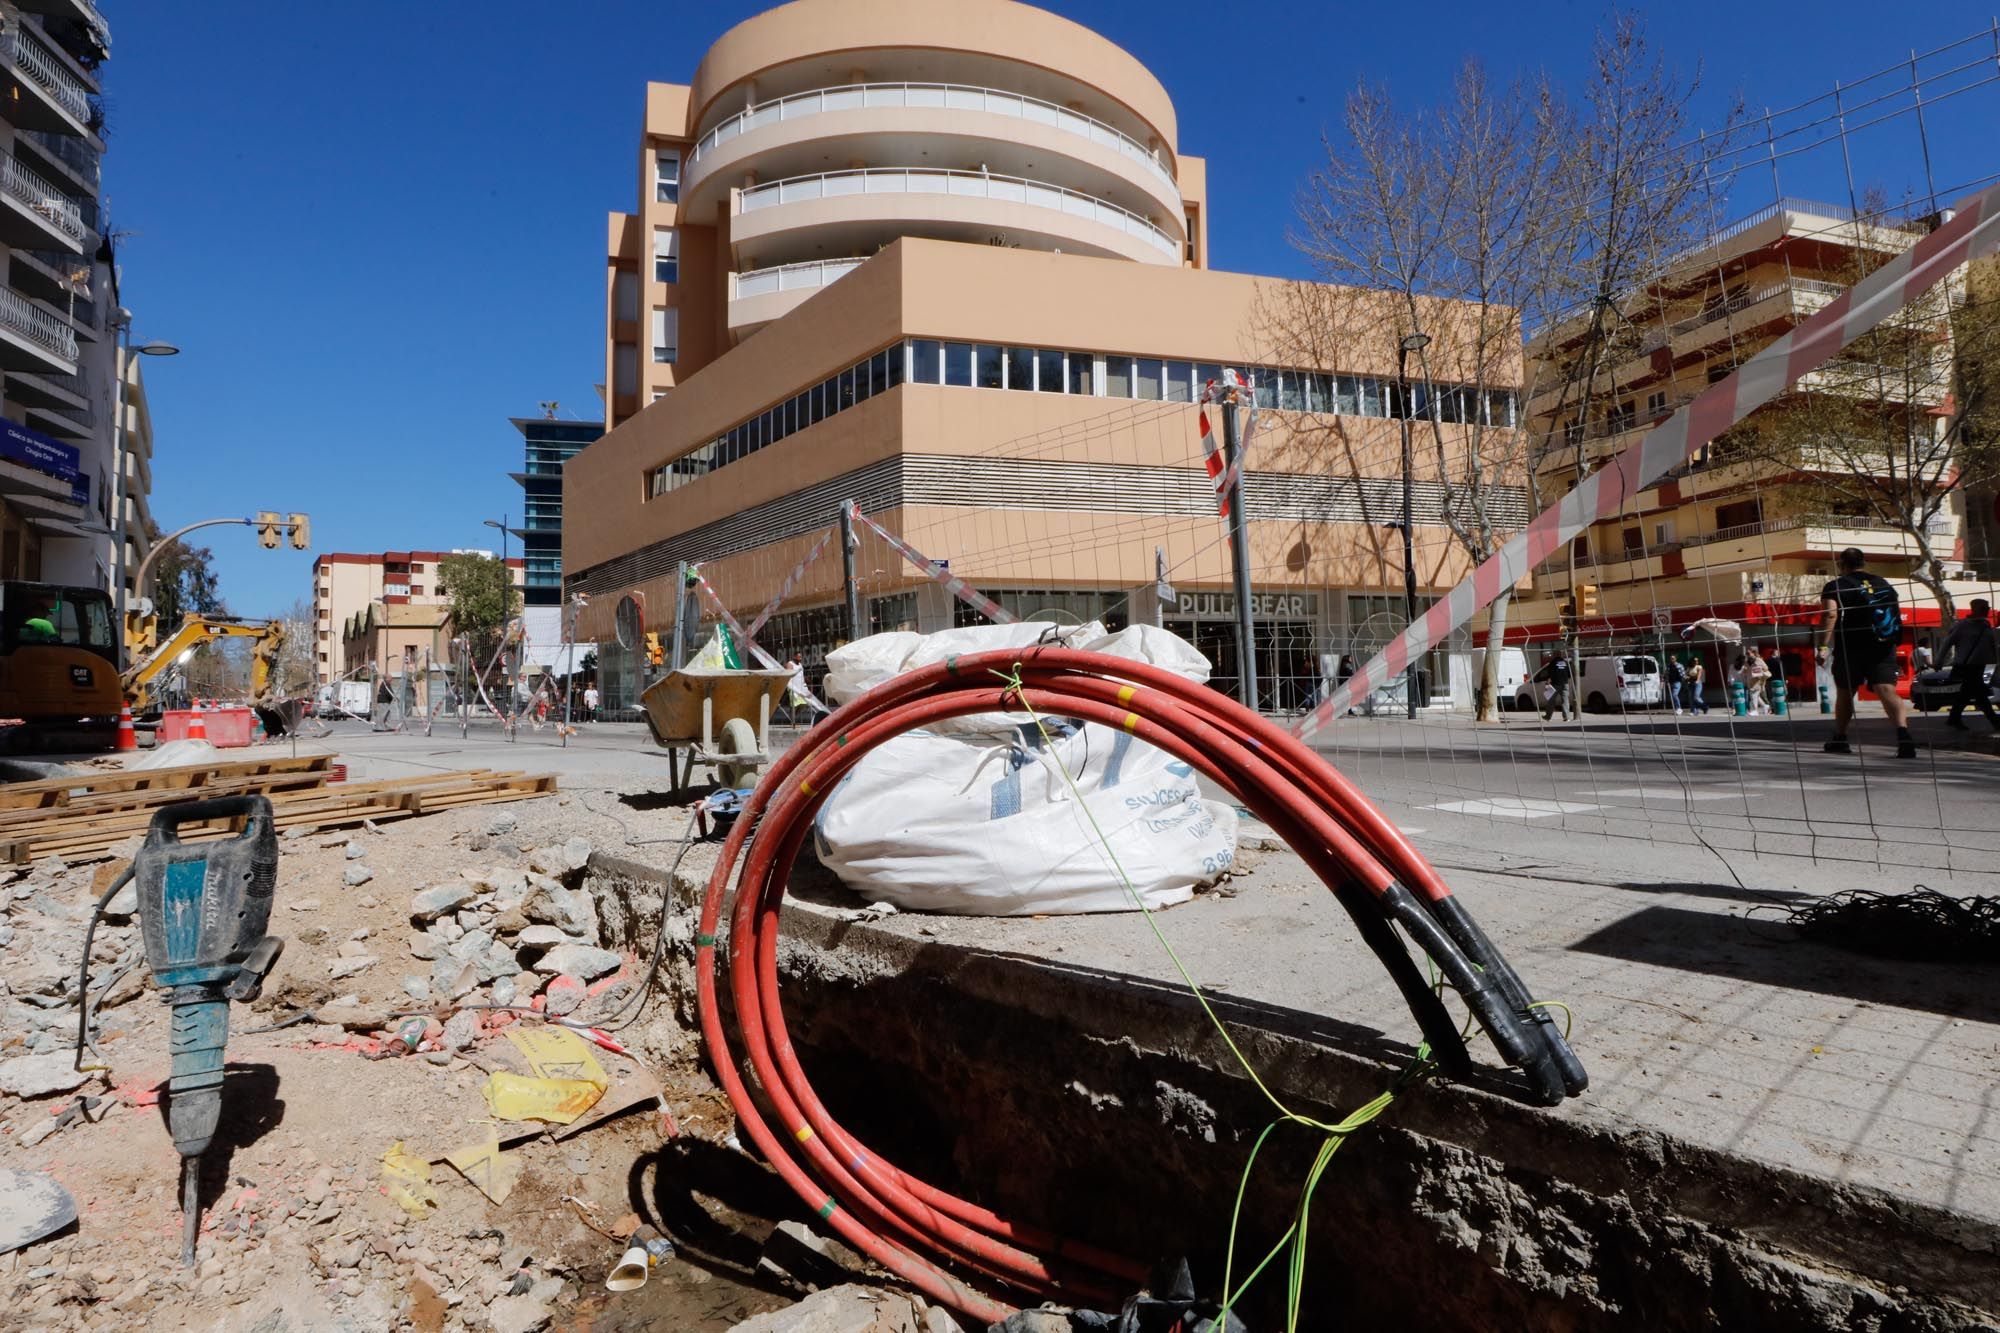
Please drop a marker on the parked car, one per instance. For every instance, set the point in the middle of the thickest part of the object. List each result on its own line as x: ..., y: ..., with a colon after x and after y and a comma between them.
x: 1932, y: 690
x: 1631, y: 680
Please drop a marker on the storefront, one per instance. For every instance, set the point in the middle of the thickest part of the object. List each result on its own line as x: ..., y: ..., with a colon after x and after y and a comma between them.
x: 1286, y: 631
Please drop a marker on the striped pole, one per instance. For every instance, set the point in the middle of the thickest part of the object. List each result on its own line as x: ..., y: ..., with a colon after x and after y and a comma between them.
x: 771, y: 663
x: 791, y: 579
x: 937, y: 573
x: 1973, y: 232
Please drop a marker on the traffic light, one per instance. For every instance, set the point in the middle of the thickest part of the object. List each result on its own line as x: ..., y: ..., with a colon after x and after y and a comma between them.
x: 301, y: 532
x: 1586, y: 597
x: 267, y: 529
x: 655, y: 654
x: 1566, y: 618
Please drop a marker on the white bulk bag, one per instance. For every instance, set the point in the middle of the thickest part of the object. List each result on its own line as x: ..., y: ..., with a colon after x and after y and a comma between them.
x: 982, y: 822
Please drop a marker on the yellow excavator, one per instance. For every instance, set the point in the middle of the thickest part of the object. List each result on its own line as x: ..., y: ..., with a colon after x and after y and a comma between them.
x: 59, y: 684
x: 60, y: 687
x: 151, y: 662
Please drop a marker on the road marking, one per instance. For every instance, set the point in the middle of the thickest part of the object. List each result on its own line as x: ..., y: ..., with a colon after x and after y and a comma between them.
x: 1514, y: 807
x: 1685, y: 793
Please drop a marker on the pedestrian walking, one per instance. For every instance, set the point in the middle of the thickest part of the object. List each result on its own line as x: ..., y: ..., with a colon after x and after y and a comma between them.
x: 1860, y: 622
x: 1556, y: 675
x: 590, y: 698
x: 1758, y: 681
x: 1969, y: 651
x: 1677, y: 677
x: 1697, y: 683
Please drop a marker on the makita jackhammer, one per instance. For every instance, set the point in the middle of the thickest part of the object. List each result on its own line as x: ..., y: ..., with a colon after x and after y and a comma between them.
x: 203, y: 907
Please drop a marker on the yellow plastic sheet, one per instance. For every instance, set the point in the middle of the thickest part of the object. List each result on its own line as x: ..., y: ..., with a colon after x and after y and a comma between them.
x: 407, y: 1178
x: 556, y: 1052
x: 556, y: 1100
x: 491, y: 1172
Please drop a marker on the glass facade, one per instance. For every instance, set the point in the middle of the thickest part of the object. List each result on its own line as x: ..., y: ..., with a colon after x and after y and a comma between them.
x: 550, y: 444
x: 1097, y: 374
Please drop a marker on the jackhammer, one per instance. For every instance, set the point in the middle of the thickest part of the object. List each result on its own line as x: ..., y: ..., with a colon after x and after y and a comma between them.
x: 203, y: 908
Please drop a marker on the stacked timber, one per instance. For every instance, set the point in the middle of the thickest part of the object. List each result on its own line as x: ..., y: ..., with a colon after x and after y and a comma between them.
x: 77, y: 817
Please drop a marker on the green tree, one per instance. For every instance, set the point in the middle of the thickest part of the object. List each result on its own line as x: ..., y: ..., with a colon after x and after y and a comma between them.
x: 183, y: 584
x: 483, y: 599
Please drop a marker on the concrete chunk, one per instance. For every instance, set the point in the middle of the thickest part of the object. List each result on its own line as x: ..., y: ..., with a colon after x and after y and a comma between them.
x: 578, y: 960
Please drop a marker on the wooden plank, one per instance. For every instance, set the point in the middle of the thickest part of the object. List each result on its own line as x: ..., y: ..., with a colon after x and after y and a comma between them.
x: 98, y: 803
x: 18, y: 795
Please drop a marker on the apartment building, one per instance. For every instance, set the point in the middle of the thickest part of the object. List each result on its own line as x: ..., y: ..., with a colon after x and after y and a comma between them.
x: 58, y: 308
x: 549, y: 443
x: 1745, y: 531
x: 950, y: 262
x: 368, y: 608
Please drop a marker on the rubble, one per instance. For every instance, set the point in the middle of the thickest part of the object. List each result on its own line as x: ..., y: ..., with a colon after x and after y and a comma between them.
x: 30, y: 1076
x: 844, y: 1309
x: 578, y: 960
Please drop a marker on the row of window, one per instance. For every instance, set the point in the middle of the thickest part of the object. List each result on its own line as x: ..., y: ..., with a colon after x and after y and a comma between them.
x: 858, y: 383
x: 1094, y: 374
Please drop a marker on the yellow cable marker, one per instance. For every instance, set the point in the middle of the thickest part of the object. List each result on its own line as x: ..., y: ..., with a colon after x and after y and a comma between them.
x: 1125, y: 693
x: 802, y: 1133
x: 1131, y: 721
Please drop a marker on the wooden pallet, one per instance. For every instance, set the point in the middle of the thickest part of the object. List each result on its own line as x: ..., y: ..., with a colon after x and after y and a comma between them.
x: 46, y: 793
x: 92, y: 820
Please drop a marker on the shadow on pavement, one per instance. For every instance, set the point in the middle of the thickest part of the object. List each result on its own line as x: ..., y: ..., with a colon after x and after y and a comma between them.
x: 1766, y: 951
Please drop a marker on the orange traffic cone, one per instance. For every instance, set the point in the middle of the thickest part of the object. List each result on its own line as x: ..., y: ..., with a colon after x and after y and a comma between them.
x: 128, y: 736
x: 197, y: 729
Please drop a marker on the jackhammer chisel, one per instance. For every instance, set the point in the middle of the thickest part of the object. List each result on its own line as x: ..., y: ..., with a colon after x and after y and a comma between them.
x: 202, y: 909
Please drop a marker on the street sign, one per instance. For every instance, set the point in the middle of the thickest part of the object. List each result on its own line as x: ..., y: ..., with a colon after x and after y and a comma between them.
x: 1663, y: 618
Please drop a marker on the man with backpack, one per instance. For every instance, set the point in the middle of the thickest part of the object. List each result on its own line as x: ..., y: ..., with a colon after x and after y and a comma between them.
x: 1969, y: 649
x: 1858, y: 630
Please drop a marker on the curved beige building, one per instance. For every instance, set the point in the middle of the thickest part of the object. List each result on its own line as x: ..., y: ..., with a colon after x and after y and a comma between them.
x: 816, y: 133
x: 946, y: 259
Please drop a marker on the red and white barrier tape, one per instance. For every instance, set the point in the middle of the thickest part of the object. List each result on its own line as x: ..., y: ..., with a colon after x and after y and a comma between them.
x: 1974, y: 232
x: 785, y: 588
x: 1222, y: 472
x: 744, y: 641
x: 938, y: 574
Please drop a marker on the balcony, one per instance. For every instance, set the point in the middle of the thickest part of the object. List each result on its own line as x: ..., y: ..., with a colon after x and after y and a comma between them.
x: 73, y: 157
x: 51, y: 276
x: 943, y: 108
x: 54, y: 98
x: 32, y: 339
x: 79, y: 11
x: 860, y: 208
x: 762, y: 295
x: 35, y: 213
x: 1793, y: 299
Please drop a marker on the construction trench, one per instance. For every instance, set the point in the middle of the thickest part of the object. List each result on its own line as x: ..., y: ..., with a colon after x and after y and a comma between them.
x: 1103, y: 1106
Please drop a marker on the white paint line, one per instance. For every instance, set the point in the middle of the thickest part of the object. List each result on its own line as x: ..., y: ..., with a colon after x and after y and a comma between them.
x: 1671, y: 793
x: 1514, y: 807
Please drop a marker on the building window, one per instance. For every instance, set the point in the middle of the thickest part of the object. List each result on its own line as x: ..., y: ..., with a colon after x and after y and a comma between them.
x: 958, y: 364
x: 666, y: 255
x: 1180, y: 381
x: 987, y: 373
x: 1021, y: 368
x: 666, y: 335
x: 1049, y: 372
x: 1656, y: 403
x: 1149, y: 376
x: 667, y: 177
x: 625, y: 369
x: 1118, y: 376
x: 625, y: 297
x: 1082, y: 378
x: 926, y: 361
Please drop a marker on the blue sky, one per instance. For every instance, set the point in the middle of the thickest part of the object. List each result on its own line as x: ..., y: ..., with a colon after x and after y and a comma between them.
x: 376, y: 231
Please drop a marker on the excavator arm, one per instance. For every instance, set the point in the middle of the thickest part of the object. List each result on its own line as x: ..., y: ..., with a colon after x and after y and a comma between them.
x: 269, y: 635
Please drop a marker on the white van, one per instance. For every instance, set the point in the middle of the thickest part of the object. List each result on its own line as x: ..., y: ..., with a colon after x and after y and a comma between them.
x: 1630, y: 680
x: 1511, y: 685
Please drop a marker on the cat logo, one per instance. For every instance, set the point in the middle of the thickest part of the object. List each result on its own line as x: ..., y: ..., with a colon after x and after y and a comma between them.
x: 82, y: 677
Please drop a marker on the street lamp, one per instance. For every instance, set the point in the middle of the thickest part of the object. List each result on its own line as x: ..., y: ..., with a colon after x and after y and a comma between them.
x: 121, y: 323
x: 502, y: 525
x: 1412, y: 342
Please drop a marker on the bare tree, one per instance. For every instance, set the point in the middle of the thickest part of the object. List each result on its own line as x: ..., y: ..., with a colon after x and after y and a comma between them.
x: 1506, y: 206
x: 293, y: 673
